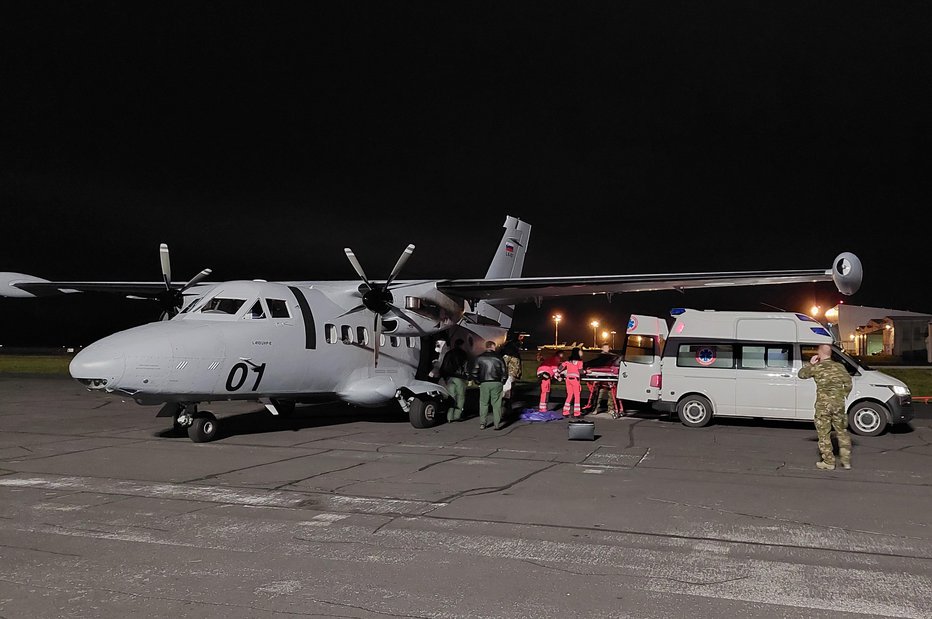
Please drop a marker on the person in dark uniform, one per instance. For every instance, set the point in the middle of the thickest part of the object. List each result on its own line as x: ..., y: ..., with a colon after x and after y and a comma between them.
x: 490, y: 372
x: 453, y: 370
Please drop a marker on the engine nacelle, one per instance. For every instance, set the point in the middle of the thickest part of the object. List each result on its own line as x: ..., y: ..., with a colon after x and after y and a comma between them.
x: 847, y: 273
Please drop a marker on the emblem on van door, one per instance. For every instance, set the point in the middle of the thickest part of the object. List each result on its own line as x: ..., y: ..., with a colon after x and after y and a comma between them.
x: 632, y: 323
x: 705, y: 356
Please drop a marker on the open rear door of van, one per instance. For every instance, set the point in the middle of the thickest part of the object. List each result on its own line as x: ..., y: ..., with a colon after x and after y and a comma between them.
x: 639, y: 378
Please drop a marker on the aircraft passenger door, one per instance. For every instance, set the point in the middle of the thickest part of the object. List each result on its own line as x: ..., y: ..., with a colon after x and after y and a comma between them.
x: 765, y: 384
x: 639, y: 372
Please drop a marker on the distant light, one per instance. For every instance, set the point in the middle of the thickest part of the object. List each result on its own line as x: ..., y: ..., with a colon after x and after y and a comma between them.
x: 814, y: 310
x: 604, y: 335
x: 594, y: 324
x: 887, y: 327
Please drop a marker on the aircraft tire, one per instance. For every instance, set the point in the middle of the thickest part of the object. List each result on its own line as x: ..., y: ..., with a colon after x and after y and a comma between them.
x: 204, y: 428
x: 424, y: 413
x: 694, y: 411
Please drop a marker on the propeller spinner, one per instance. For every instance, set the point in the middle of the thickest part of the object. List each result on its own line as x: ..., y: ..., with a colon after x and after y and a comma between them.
x: 377, y: 298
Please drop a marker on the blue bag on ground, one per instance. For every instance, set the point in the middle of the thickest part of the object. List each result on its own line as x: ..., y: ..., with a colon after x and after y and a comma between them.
x: 532, y: 414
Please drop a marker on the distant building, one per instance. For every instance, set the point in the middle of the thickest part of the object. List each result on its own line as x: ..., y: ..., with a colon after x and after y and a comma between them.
x: 866, y: 331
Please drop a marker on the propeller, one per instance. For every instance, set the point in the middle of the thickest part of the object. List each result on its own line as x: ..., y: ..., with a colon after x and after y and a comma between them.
x: 173, y: 296
x: 377, y: 298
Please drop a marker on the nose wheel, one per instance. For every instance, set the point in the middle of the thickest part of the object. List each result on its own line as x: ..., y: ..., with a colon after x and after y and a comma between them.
x: 203, y: 428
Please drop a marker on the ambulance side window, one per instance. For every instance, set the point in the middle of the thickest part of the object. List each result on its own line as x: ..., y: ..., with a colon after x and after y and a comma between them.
x: 712, y: 355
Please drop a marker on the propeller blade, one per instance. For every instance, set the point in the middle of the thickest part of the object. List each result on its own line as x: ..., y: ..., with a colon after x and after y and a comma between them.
x: 401, y: 262
x: 358, y: 308
x: 353, y: 261
x: 397, y: 311
x: 377, y: 327
x: 166, y: 265
x: 196, y: 279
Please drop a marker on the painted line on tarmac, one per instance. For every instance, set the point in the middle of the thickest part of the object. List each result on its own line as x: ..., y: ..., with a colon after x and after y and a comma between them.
x: 223, y: 495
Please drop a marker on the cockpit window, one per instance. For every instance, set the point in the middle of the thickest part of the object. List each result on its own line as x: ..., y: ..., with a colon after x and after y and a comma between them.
x: 277, y: 308
x: 255, y: 312
x: 221, y: 305
x: 190, y: 305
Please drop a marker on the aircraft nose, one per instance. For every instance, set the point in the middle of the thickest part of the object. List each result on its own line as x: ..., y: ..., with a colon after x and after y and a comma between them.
x: 98, y: 366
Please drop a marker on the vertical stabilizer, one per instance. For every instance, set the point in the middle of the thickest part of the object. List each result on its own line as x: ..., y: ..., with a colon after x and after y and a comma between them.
x: 508, y: 262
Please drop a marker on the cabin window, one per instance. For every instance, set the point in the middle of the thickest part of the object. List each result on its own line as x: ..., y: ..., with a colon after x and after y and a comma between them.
x: 255, y: 312
x: 346, y: 334
x: 711, y: 355
x: 394, y: 341
x: 277, y: 308
x: 362, y: 335
x: 412, y: 342
x: 330, y: 331
x: 223, y: 305
x: 639, y: 349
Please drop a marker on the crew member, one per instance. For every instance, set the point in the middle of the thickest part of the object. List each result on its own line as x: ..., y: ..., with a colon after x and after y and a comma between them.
x: 490, y: 372
x: 833, y: 384
x: 453, y: 371
x: 512, y: 358
x: 545, y: 374
x: 571, y: 370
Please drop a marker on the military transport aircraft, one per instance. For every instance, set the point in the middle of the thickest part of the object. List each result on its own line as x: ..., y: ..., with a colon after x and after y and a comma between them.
x: 282, y: 343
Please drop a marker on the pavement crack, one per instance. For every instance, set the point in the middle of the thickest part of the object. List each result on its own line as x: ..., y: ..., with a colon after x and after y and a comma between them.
x: 365, y: 608
x: 492, y: 489
x: 427, y: 466
x: 51, y: 552
x: 245, y: 468
x: 101, y: 405
x: 298, y: 481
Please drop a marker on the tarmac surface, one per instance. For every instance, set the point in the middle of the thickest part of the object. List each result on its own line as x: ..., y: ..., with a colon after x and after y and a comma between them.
x: 342, y: 512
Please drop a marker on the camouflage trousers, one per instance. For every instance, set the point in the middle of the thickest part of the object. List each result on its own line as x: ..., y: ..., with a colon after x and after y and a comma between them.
x: 829, y: 416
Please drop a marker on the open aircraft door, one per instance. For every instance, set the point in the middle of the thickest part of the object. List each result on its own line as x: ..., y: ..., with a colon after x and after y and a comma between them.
x: 639, y: 377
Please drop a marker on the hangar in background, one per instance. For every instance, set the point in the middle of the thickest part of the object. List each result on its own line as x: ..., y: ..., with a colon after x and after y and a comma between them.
x: 866, y: 331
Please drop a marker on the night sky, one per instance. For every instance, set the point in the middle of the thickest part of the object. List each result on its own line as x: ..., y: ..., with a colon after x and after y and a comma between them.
x: 260, y: 139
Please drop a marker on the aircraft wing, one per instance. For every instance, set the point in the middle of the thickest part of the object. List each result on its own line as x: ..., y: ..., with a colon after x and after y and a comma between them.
x: 846, y: 273
x: 20, y: 285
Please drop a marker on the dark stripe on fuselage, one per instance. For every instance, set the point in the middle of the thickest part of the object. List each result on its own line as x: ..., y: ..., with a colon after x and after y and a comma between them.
x: 310, y: 332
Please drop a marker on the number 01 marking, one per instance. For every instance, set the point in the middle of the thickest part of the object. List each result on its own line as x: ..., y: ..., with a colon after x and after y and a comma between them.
x: 238, y: 375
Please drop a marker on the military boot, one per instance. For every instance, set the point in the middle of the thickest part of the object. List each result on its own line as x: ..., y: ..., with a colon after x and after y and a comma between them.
x: 825, y: 466
x: 845, y: 456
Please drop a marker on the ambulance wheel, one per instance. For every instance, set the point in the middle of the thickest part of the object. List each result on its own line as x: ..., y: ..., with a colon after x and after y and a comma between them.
x: 867, y: 419
x: 694, y: 411
x: 424, y: 413
x: 204, y: 428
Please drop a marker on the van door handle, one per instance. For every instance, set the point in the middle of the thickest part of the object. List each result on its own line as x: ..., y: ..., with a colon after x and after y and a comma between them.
x: 786, y: 375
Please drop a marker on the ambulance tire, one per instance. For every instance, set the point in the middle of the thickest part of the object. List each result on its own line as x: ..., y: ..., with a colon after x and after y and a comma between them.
x: 424, y: 413
x: 204, y: 428
x: 694, y: 411
x: 867, y: 419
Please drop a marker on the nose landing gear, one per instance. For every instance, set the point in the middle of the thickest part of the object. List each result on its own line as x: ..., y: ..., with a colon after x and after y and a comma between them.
x: 201, y: 426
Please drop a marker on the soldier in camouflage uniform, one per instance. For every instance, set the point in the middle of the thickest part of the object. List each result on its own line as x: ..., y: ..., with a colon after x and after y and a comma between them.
x: 833, y: 384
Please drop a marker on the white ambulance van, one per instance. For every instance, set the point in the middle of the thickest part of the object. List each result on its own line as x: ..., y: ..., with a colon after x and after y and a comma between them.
x: 745, y: 364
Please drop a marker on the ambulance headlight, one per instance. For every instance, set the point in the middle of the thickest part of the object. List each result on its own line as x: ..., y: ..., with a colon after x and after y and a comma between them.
x: 897, y: 389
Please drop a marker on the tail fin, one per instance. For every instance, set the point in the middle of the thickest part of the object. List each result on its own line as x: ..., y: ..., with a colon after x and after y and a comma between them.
x: 508, y: 262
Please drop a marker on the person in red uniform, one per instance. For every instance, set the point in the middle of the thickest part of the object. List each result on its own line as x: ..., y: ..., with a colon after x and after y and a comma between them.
x: 545, y: 373
x: 571, y: 369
